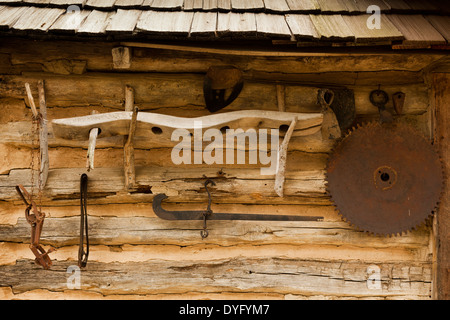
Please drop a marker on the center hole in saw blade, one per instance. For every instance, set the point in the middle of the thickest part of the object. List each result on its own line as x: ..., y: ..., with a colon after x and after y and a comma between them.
x: 384, y: 176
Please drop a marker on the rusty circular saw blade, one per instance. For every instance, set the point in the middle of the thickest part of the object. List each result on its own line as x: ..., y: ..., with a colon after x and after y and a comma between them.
x: 385, y: 179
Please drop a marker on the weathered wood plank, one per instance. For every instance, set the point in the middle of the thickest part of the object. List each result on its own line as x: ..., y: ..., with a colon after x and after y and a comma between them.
x: 332, y: 27
x: 123, y: 21
x: 37, y: 19
x: 416, y: 29
x: 95, y: 23
x: 358, y: 26
x: 177, y: 183
x: 272, y: 25
x: 441, y: 93
x: 271, y: 275
x: 151, y: 230
x: 117, y: 123
x: 276, y: 6
x: 302, y: 26
x: 242, y: 24
x: 176, y: 23
x: 70, y: 22
x: 204, y: 24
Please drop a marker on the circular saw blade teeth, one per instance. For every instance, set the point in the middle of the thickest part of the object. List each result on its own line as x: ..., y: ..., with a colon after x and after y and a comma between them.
x: 372, y: 130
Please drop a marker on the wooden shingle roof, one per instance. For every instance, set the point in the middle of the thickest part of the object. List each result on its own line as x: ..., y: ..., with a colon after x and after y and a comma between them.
x: 314, y: 22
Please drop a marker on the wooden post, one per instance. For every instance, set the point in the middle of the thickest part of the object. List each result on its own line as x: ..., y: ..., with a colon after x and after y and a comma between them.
x: 441, y: 87
x: 43, y: 135
x: 31, y: 100
x: 282, y: 158
x: 43, y: 131
x: 128, y: 149
x: 281, y: 98
x: 93, y: 134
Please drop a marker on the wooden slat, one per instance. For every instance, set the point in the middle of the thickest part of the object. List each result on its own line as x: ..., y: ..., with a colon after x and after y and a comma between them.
x: 441, y: 93
x: 35, y: 2
x: 165, y: 22
x: 303, y: 5
x: 302, y: 26
x: 334, y: 6
x: 332, y: 27
x: 239, y: 24
x: 95, y: 23
x: 416, y: 29
x: 397, y: 5
x: 167, y: 4
x: 38, y: 19
x: 10, y: 15
x: 128, y: 3
x: 362, y: 5
x: 358, y: 25
x: 123, y: 21
x: 285, y: 278
x: 247, y: 5
x: 193, y: 4
x: 276, y: 6
x: 70, y: 22
x: 423, y: 6
x: 210, y: 5
x: 204, y: 24
x: 66, y: 3
x: 224, y: 5
x: 272, y: 25
x: 441, y: 24
x: 100, y: 4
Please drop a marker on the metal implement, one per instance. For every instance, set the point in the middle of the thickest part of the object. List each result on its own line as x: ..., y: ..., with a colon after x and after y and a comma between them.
x: 398, y: 99
x: 385, y: 178
x: 83, y: 249
x: 36, y: 220
x: 208, y: 214
x: 379, y: 99
x: 220, y: 81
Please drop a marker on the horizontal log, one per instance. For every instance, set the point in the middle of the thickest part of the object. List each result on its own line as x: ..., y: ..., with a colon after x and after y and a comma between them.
x: 106, y: 185
x: 170, y: 92
x: 116, y: 231
x: 18, y: 134
x: 240, y: 275
x: 181, y: 58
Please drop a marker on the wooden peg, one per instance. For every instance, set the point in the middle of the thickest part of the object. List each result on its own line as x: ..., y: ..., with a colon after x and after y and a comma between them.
x: 93, y: 134
x: 31, y: 100
x: 128, y: 148
x: 129, y: 168
x: 43, y: 135
x: 282, y: 158
x: 281, y: 97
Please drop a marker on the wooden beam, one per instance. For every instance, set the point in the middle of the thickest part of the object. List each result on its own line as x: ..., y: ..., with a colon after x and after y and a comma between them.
x: 129, y: 164
x: 121, y: 57
x: 93, y: 134
x: 31, y: 100
x: 441, y: 85
x: 43, y: 135
x: 282, y: 159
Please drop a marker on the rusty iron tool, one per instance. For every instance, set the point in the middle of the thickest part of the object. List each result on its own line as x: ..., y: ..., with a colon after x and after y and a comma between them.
x: 379, y: 99
x: 83, y: 249
x: 385, y: 179
x: 399, y: 101
x: 208, y: 214
x: 220, y: 81
x: 36, y: 220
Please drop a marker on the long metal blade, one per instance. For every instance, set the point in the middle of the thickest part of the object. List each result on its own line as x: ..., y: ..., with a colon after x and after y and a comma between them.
x: 198, y: 215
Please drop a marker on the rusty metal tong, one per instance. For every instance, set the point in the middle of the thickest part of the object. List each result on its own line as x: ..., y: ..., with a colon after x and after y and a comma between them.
x: 36, y: 220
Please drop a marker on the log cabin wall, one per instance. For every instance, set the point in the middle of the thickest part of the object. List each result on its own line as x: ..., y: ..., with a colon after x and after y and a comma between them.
x: 133, y: 253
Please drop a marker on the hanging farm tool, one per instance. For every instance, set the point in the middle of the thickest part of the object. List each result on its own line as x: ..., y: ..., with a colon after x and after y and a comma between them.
x: 36, y: 220
x: 83, y: 249
x: 208, y: 214
x: 384, y: 177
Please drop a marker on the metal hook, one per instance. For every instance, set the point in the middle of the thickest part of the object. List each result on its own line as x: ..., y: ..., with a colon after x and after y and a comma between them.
x: 204, y: 233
